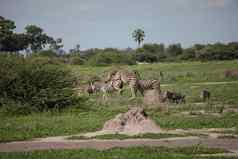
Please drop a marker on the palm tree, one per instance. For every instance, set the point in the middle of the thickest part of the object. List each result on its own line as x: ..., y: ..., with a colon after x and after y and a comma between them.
x: 138, y: 36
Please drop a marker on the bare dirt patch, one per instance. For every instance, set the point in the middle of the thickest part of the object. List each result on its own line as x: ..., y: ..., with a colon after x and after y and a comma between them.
x: 231, y: 73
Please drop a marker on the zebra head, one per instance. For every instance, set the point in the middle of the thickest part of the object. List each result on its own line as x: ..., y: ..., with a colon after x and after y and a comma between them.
x: 110, y: 76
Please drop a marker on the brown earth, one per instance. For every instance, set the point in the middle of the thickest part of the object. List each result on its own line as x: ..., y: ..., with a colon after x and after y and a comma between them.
x: 228, y: 144
x: 134, y: 121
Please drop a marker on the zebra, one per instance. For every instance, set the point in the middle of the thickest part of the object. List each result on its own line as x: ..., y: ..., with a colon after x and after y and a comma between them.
x: 111, y: 87
x: 106, y: 88
x: 90, y: 88
x: 148, y: 84
x: 127, y: 77
x: 93, y: 87
x: 205, y: 95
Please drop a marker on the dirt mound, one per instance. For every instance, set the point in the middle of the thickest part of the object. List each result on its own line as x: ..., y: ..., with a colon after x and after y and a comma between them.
x: 231, y: 73
x: 134, y: 121
x: 151, y: 97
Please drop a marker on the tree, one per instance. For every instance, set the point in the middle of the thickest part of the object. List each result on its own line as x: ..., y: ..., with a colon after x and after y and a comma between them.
x: 14, y: 43
x: 6, y: 30
x: 38, y: 39
x: 154, y: 48
x: 55, y: 45
x: 10, y: 41
x: 174, y: 50
x: 6, y: 27
x: 138, y: 36
x: 77, y: 49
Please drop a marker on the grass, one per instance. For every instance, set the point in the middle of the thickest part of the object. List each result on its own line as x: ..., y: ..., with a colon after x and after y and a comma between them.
x: 118, y: 153
x: 123, y: 136
x: 183, y: 72
x: 196, y: 122
x: 47, y: 124
x: 91, y: 115
x: 220, y: 93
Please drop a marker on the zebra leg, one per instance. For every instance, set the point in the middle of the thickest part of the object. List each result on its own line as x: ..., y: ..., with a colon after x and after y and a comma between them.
x: 105, y: 97
x: 133, y: 92
x: 141, y: 91
x: 120, y: 91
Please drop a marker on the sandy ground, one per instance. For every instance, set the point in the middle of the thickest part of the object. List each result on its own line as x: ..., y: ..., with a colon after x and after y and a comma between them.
x: 61, y: 142
x: 228, y: 144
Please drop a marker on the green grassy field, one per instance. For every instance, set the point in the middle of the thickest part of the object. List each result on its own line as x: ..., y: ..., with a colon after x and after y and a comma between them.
x: 123, y: 136
x: 187, y: 78
x: 121, y: 153
x: 189, y: 72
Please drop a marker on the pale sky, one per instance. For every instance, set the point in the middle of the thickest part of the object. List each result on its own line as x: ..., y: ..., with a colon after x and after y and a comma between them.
x: 109, y: 23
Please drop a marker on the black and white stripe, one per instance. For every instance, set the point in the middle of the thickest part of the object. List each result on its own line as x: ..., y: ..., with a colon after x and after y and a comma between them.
x: 130, y: 78
x: 147, y: 85
x: 105, y: 88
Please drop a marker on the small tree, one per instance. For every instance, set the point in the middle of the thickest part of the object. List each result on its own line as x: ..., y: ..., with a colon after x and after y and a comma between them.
x: 10, y: 41
x: 38, y: 39
x: 77, y: 48
x: 55, y: 45
x: 138, y: 36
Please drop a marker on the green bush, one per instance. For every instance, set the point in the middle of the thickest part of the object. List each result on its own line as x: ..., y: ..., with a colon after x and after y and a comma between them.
x: 46, y: 53
x: 44, y: 60
x: 76, y: 60
x: 146, y: 57
x: 38, y: 86
x: 107, y: 58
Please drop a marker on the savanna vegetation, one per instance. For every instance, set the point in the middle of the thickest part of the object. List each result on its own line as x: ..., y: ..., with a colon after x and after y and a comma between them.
x: 88, y: 113
x: 39, y: 83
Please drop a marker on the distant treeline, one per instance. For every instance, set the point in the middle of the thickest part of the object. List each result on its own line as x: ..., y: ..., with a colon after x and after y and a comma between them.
x: 151, y: 53
x: 35, y: 44
x: 148, y: 53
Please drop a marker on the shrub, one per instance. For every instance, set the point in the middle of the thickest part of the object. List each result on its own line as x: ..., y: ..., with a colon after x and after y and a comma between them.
x: 107, y: 58
x: 46, y: 53
x: 33, y: 85
x: 44, y: 60
x: 76, y: 60
x: 146, y: 57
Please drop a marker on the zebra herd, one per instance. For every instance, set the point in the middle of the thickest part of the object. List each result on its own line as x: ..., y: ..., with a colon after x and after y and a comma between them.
x: 115, y: 81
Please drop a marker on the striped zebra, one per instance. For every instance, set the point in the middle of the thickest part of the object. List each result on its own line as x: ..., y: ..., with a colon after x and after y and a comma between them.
x: 93, y: 87
x: 147, y: 85
x: 110, y: 87
x: 127, y: 77
x: 105, y: 88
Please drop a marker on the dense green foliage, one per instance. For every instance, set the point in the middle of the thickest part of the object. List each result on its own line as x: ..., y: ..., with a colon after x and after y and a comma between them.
x: 29, y: 85
x: 152, y: 53
x: 175, y: 52
x: 105, y: 58
x: 33, y: 39
x: 10, y: 41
